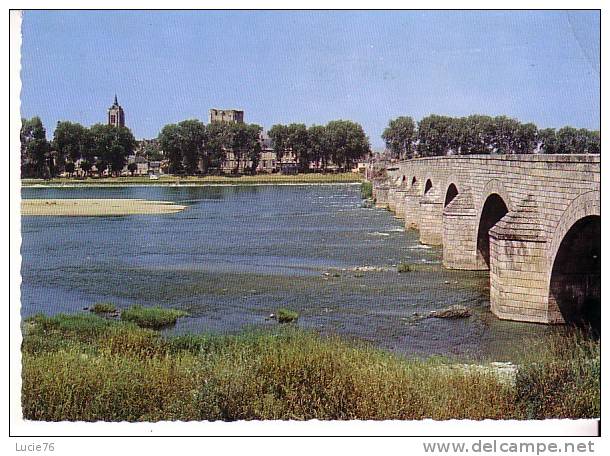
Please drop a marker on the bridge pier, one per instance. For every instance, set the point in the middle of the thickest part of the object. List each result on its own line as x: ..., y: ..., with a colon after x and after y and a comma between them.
x: 459, y: 234
x: 380, y: 194
x: 431, y: 216
x: 411, y: 211
x: 392, y: 199
x: 431, y: 226
x: 518, y: 280
x: 400, y: 202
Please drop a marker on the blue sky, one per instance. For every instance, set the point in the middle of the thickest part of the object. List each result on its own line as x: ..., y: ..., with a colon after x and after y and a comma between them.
x: 310, y: 67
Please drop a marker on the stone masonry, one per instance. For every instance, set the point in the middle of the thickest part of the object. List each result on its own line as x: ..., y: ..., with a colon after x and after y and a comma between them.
x: 508, y: 214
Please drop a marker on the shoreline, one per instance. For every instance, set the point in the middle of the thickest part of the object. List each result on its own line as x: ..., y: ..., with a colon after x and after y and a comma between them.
x: 304, y: 179
x: 191, y: 184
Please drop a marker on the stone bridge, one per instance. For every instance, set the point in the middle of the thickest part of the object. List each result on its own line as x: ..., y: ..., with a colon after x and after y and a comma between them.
x: 533, y: 221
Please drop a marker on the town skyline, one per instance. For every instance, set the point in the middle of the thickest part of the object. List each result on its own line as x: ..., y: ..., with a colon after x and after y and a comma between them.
x: 542, y: 67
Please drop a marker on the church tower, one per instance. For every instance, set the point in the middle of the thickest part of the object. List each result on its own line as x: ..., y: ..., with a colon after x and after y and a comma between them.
x: 116, y: 115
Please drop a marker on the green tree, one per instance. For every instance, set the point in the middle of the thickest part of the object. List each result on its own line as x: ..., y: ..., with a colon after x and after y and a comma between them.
x: 255, y: 149
x: 399, y: 137
x: 132, y: 168
x: 101, y: 166
x: 35, y: 149
x: 70, y: 167
x: 593, y: 142
x: 547, y: 141
x: 435, y: 135
x: 475, y: 134
x: 526, y: 138
x: 244, y: 142
x: 505, y: 131
x: 112, y: 145
x: 215, y: 145
x: 319, y: 150
x: 170, y: 141
x: 348, y: 143
x: 568, y: 140
x: 86, y: 166
x: 279, y: 136
x: 298, y: 142
x: 152, y: 151
x: 73, y: 141
x: 192, y: 137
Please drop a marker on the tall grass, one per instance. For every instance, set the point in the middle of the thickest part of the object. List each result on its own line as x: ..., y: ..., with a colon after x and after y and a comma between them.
x: 123, y: 372
x: 561, y: 378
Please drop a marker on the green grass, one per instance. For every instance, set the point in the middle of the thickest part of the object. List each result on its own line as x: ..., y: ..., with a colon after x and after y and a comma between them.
x: 89, y: 368
x: 152, y: 317
x: 404, y: 267
x: 287, y: 316
x: 561, y: 378
x: 202, y: 180
x: 366, y: 190
x: 103, y: 308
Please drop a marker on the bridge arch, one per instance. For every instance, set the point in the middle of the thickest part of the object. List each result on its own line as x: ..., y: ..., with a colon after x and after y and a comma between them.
x: 494, y: 186
x: 494, y: 208
x: 450, y: 194
x: 428, y: 186
x: 575, y: 263
x: 494, y: 204
x: 414, y: 183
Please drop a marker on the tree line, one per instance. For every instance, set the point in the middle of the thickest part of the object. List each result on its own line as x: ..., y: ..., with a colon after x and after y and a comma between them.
x: 479, y: 134
x: 193, y: 147
x: 104, y: 146
x: 341, y: 143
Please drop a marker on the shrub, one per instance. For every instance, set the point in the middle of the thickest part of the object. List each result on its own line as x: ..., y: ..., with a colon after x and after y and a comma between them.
x: 404, y: 267
x: 287, y: 316
x: 366, y: 190
x: 152, y: 317
x: 84, y: 326
x: 103, y: 308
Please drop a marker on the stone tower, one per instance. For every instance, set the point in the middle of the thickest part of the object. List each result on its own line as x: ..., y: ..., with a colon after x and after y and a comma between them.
x: 116, y: 115
x: 226, y: 115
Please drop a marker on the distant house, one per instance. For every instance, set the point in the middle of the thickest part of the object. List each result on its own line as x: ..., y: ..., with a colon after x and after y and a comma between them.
x: 154, y: 167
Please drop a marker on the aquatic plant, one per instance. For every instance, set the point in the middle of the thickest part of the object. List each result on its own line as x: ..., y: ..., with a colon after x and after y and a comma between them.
x: 404, y: 267
x: 287, y: 316
x: 103, y: 308
x: 152, y: 317
x: 366, y: 190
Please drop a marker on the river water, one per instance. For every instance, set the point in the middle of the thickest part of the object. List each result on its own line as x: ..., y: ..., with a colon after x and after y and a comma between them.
x: 238, y: 253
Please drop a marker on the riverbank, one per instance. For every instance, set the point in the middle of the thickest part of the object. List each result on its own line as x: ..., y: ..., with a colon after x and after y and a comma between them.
x: 96, y: 207
x: 309, y: 178
x: 89, y: 368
